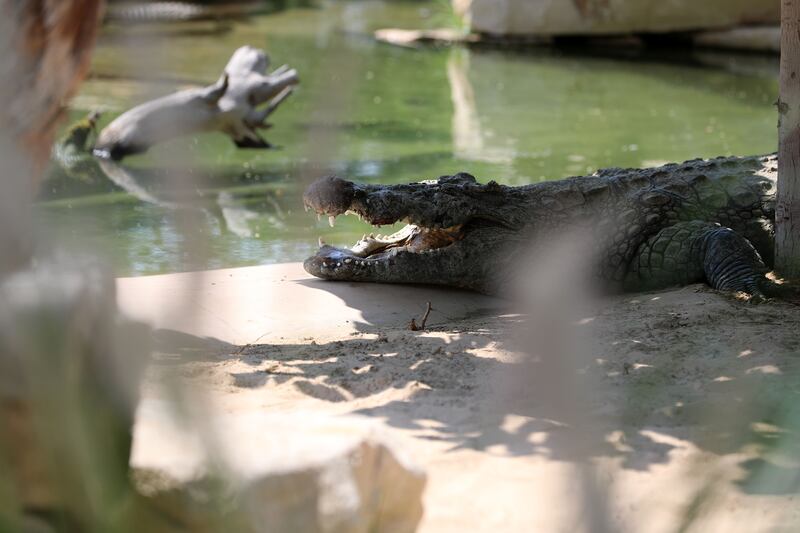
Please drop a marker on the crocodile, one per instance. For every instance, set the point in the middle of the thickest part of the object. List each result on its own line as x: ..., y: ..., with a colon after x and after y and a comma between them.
x: 644, y: 229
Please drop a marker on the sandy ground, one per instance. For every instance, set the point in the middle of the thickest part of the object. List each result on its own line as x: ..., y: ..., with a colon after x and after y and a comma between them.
x: 638, y: 411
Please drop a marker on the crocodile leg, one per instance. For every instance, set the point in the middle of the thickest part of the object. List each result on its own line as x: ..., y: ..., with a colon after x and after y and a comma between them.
x: 689, y: 252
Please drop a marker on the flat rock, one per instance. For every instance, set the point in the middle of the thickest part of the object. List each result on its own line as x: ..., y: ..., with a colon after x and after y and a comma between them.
x: 295, y: 473
x: 499, y: 450
x: 297, y: 470
x: 280, y: 303
x: 586, y: 17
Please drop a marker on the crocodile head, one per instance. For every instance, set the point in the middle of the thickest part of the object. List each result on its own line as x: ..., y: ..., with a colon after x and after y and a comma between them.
x: 456, y: 232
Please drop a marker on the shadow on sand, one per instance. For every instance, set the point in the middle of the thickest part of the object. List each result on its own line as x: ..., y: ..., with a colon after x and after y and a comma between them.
x: 655, y: 380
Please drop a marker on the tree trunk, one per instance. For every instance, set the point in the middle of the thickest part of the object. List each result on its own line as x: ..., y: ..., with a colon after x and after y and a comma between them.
x: 787, y: 211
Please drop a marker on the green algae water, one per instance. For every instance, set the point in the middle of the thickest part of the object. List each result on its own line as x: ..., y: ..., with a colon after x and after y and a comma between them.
x: 371, y: 112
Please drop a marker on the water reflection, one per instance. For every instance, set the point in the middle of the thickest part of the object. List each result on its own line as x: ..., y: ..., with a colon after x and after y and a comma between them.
x: 228, y: 209
x: 131, y: 181
x: 469, y: 139
x: 561, y: 114
x: 140, y: 225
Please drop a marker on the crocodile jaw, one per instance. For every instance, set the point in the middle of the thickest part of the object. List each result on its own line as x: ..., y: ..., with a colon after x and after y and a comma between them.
x: 384, y: 258
x: 448, y: 240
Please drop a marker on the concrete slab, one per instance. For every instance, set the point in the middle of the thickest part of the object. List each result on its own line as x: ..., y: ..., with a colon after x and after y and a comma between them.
x: 282, y: 303
x: 507, y: 443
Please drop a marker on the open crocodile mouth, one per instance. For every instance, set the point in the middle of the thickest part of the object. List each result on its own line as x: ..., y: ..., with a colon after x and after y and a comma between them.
x: 411, y: 238
x: 373, y: 249
x: 375, y: 256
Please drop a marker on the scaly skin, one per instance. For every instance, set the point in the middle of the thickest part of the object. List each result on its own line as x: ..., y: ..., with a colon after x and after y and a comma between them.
x: 702, y: 220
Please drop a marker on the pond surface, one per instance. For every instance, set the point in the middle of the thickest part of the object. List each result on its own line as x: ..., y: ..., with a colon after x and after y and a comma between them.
x: 372, y: 112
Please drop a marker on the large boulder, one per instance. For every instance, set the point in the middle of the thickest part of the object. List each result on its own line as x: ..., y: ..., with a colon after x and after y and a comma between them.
x: 582, y: 17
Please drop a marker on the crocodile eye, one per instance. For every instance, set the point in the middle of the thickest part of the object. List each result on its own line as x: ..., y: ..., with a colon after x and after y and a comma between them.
x: 462, y: 178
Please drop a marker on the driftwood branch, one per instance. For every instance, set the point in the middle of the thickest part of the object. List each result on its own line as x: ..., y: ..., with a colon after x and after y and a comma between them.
x: 260, y: 117
x: 232, y: 105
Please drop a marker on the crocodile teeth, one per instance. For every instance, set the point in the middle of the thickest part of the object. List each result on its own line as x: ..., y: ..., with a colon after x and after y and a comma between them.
x: 348, y: 260
x: 321, y: 242
x: 305, y: 206
x: 349, y: 212
x: 319, y: 217
x: 332, y: 220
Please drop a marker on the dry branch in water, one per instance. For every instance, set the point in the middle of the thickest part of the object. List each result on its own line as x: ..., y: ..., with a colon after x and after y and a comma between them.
x: 231, y: 105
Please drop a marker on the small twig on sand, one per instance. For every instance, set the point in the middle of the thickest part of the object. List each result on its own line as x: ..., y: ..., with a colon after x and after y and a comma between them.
x: 413, y: 324
x: 249, y: 344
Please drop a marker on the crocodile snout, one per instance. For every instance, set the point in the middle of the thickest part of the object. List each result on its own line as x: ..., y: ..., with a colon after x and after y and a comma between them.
x: 329, y: 195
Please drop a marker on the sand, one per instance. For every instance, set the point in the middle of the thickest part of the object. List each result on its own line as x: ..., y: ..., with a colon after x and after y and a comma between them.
x: 635, y: 411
